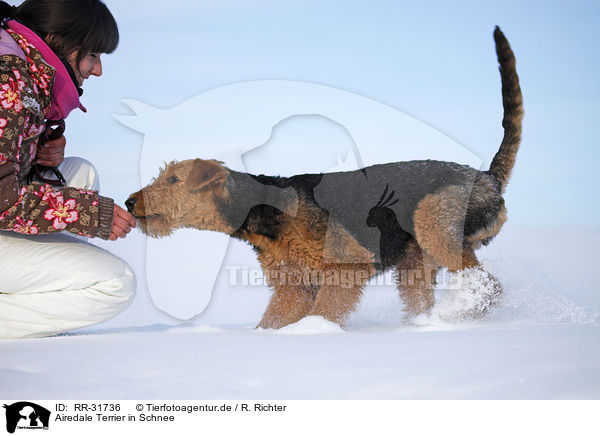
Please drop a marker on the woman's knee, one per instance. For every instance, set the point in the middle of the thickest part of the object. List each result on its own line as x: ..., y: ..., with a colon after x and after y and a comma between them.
x: 128, y: 287
x: 80, y: 173
x: 104, y: 277
x: 112, y: 295
x: 120, y: 281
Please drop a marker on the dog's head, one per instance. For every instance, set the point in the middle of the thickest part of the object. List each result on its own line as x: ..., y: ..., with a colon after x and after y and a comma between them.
x: 185, y: 194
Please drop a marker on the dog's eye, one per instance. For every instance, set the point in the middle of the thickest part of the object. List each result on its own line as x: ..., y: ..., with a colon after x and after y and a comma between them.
x: 173, y: 179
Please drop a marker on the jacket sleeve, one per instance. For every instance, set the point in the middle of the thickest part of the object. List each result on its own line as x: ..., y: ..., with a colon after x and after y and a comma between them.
x: 40, y: 208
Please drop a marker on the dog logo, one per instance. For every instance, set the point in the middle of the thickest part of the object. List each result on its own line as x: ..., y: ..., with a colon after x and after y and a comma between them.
x: 26, y: 416
x: 392, y: 236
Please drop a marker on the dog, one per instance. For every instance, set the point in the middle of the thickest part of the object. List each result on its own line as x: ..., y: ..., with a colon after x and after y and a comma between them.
x: 320, y: 237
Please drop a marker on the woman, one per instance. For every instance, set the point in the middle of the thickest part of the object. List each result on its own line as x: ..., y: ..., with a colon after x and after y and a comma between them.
x: 50, y: 282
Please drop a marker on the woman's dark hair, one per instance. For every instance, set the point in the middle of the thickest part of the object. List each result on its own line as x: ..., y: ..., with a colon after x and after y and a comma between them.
x: 68, y: 25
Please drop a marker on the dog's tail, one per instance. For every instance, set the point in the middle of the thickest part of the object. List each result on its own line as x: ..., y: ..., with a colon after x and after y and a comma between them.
x: 512, y: 100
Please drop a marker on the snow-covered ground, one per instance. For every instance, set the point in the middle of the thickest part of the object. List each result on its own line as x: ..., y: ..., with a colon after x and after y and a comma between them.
x: 541, y: 342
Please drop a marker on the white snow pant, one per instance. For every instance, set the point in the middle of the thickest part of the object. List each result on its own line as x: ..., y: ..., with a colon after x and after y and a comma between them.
x: 51, y: 284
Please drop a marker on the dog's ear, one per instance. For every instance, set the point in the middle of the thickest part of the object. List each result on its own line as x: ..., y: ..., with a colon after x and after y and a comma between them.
x: 205, y: 173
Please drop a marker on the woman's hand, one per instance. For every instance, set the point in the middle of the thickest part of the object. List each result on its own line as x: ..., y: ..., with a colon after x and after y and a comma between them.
x: 123, y: 221
x: 52, y: 153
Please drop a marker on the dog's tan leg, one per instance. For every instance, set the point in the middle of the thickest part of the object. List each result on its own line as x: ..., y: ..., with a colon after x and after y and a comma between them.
x: 439, y: 229
x: 415, y: 278
x: 287, y: 306
x: 439, y: 226
x: 294, y: 292
x: 469, y: 260
x: 341, y: 290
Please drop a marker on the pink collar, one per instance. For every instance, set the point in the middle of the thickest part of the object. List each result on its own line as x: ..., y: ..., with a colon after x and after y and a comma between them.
x: 64, y: 93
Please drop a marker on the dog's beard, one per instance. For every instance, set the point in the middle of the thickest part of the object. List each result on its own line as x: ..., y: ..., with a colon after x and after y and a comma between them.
x: 154, y: 226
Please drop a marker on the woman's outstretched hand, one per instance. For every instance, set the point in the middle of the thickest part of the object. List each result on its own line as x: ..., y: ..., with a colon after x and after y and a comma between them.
x: 122, y: 224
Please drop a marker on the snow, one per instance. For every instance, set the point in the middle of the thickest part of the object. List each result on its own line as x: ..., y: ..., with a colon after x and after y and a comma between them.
x: 539, y: 342
x: 534, y: 362
x: 311, y: 325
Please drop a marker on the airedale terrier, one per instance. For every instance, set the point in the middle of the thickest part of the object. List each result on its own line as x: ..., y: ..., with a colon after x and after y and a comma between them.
x: 321, y: 237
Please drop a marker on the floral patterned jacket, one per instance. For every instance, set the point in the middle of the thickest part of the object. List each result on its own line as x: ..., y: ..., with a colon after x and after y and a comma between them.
x: 25, y: 99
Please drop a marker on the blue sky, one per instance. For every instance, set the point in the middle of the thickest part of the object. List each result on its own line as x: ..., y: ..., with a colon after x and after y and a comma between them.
x: 432, y: 60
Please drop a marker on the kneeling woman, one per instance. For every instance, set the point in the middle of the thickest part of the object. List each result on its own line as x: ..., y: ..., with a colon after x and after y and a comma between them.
x: 50, y: 282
